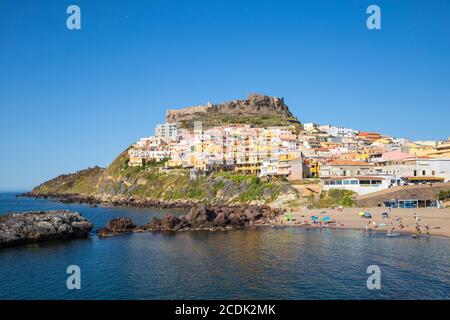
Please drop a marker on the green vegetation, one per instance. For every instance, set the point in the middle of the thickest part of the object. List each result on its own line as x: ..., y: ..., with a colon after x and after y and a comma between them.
x: 81, y: 182
x: 263, y: 120
x: 306, y: 181
x: 119, y: 164
x: 336, y: 197
x: 443, y: 195
x: 236, y: 177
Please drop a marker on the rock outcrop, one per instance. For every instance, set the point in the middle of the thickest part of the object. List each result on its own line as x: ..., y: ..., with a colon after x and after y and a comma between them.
x: 200, y: 217
x: 256, y: 105
x: 117, y: 225
x: 29, y: 227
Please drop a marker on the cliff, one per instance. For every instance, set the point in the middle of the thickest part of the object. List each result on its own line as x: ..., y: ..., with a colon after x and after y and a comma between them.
x: 259, y: 110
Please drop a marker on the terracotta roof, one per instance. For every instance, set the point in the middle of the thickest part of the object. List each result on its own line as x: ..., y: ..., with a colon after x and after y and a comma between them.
x: 369, y: 134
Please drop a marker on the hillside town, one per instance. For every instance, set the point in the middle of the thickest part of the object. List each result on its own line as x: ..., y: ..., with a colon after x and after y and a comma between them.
x: 359, y: 161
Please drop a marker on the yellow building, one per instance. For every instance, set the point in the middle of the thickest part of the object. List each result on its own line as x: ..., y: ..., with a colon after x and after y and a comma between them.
x: 314, y: 168
x: 441, y: 150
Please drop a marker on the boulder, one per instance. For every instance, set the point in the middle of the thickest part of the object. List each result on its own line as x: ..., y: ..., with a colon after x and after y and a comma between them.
x: 201, y: 215
x: 221, y: 219
x: 30, y: 227
x: 117, y: 226
x: 121, y: 225
x: 170, y: 222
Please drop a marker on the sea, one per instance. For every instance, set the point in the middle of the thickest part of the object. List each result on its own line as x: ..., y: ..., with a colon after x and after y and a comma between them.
x: 254, y: 263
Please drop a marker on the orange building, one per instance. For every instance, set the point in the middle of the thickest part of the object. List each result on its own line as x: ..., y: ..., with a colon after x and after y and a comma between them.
x: 371, y: 136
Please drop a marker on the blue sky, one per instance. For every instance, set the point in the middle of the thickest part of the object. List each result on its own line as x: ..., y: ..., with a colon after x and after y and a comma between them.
x: 73, y: 99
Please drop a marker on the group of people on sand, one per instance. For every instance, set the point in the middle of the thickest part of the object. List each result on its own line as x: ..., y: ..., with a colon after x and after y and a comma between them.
x: 418, y: 227
x: 397, y: 223
x: 390, y: 224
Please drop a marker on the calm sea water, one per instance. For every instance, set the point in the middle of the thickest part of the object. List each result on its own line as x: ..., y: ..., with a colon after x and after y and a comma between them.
x: 263, y: 263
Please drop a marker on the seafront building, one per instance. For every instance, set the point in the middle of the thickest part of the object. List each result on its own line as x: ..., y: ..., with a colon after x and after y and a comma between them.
x: 360, y: 184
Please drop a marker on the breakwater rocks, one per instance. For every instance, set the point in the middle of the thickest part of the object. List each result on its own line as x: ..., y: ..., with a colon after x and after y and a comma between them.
x: 30, y: 227
x: 200, y: 217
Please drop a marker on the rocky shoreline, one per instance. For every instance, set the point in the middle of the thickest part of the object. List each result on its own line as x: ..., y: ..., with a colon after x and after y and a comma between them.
x: 200, y: 217
x: 33, y: 226
x: 114, y: 202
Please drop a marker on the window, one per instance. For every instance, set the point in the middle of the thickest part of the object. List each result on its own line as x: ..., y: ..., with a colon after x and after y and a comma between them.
x: 415, y: 173
x: 423, y: 172
x: 433, y: 173
x: 339, y: 182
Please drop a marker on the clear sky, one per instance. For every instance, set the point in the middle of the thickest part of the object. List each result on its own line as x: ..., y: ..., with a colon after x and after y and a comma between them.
x: 73, y: 99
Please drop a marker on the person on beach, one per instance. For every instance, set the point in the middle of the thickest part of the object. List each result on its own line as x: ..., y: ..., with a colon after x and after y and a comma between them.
x: 418, y: 229
x: 427, y: 228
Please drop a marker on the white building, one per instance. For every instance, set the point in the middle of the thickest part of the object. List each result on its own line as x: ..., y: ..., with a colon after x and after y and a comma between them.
x: 338, y: 131
x: 167, y: 131
x: 310, y: 127
x: 430, y: 167
x: 417, y: 170
x: 343, y: 168
x: 360, y: 184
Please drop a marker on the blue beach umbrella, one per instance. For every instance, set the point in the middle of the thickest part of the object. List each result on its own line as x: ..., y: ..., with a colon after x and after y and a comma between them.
x: 314, y: 218
x: 325, y: 219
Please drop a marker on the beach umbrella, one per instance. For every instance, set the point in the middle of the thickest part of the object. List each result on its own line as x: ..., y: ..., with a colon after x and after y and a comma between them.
x: 361, y: 213
x: 382, y: 225
x: 325, y: 219
x: 367, y: 215
x: 314, y: 218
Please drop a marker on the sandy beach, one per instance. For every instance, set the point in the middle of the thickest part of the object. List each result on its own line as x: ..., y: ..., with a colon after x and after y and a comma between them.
x: 399, y: 220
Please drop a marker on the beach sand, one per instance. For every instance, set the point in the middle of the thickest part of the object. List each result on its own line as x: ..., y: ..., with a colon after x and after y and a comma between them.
x: 438, y: 220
